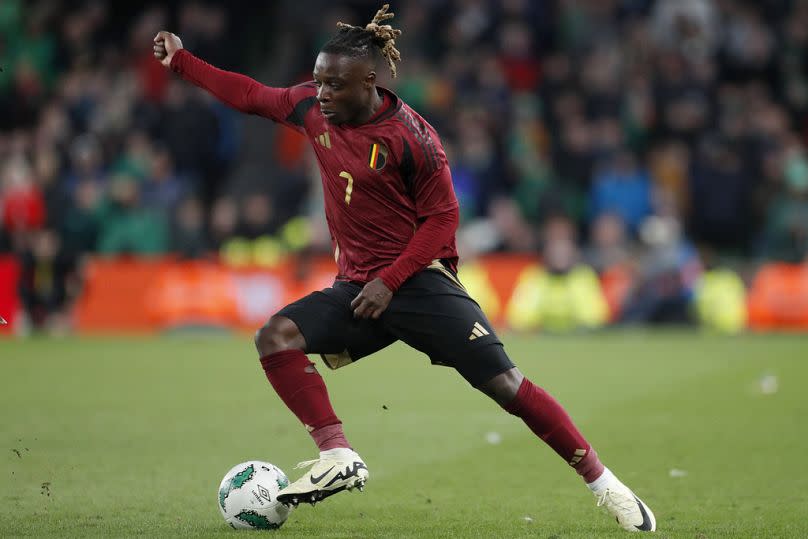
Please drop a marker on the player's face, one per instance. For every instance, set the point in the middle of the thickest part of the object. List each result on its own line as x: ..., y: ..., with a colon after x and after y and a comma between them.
x: 344, y: 87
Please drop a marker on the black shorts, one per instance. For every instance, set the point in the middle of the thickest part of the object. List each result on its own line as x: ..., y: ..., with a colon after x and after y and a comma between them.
x: 430, y: 312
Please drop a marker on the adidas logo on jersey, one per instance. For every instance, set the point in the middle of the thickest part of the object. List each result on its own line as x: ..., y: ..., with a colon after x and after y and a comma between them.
x: 324, y: 140
x: 478, y: 331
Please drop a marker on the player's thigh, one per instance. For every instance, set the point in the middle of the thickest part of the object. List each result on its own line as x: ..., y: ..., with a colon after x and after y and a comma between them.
x: 434, y: 314
x: 326, y: 321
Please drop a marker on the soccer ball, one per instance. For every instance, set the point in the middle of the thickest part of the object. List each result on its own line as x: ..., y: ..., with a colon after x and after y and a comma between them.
x: 248, y: 496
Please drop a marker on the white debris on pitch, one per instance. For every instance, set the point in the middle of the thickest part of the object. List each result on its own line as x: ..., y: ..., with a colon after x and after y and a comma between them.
x: 675, y: 472
x: 493, y: 438
x: 769, y: 384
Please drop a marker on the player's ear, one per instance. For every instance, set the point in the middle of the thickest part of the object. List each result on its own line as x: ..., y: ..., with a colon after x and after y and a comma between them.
x: 370, y: 79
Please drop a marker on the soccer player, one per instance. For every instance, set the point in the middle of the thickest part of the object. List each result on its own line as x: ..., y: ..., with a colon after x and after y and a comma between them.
x: 392, y: 214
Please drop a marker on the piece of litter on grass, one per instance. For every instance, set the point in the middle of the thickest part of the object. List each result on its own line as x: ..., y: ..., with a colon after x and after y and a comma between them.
x: 493, y: 438
x: 529, y: 520
x: 675, y: 472
x: 769, y: 384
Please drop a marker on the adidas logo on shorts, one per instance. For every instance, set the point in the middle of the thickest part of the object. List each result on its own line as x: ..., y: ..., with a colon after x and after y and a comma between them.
x: 478, y: 331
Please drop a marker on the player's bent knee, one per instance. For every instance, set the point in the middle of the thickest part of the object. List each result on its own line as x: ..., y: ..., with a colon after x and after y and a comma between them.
x: 277, y: 335
x: 487, y: 368
x: 503, y: 387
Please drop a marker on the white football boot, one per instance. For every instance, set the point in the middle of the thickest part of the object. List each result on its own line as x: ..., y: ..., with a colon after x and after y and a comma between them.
x: 631, y: 512
x: 336, y: 470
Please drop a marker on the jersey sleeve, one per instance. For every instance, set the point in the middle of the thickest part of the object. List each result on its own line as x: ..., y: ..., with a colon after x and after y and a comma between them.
x: 434, y: 193
x: 435, y: 232
x: 425, y: 170
x: 427, y: 178
x: 283, y: 105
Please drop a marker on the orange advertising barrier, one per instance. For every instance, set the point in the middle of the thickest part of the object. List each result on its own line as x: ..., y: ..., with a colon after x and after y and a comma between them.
x: 143, y: 295
x: 114, y: 295
x: 146, y: 295
x: 778, y: 298
x: 9, y: 302
x: 616, y: 283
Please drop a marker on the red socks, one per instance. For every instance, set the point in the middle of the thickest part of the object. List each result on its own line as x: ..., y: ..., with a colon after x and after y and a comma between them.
x: 302, y: 389
x: 329, y: 437
x: 550, y: 422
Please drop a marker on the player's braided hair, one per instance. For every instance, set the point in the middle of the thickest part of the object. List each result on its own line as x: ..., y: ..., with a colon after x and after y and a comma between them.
x: 356, y: 41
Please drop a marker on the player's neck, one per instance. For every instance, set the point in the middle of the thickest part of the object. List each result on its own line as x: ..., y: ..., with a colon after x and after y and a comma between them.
x: 376, y: 102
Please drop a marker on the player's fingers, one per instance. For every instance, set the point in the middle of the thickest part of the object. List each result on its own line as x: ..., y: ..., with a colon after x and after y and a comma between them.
x: 162, y: 35
x: 366, y: 309
x: 359, y: 305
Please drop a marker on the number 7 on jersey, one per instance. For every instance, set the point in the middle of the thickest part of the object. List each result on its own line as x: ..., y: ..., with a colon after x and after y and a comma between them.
x: 349, y: 187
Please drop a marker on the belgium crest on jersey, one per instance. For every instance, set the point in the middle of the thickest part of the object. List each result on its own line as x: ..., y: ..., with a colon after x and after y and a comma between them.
x: 378, y: 156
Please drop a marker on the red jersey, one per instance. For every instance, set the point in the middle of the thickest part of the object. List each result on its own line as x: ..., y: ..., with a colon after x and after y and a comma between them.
x: 380, y: 179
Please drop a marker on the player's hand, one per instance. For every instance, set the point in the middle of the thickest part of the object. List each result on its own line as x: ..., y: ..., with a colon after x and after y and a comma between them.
x: 165, y: 45
x: 372, y: 300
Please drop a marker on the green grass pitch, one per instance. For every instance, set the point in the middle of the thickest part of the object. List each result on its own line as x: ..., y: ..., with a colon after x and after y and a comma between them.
x: 130, y: 437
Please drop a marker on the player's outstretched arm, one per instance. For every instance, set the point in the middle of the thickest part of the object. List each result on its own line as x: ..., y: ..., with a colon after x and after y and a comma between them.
x: 239, y: 91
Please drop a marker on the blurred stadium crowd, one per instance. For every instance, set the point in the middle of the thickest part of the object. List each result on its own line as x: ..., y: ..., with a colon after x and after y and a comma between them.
x: 660, y: 138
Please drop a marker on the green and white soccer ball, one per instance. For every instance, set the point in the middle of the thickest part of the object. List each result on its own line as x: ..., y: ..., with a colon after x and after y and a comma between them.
x: 248, y: 496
